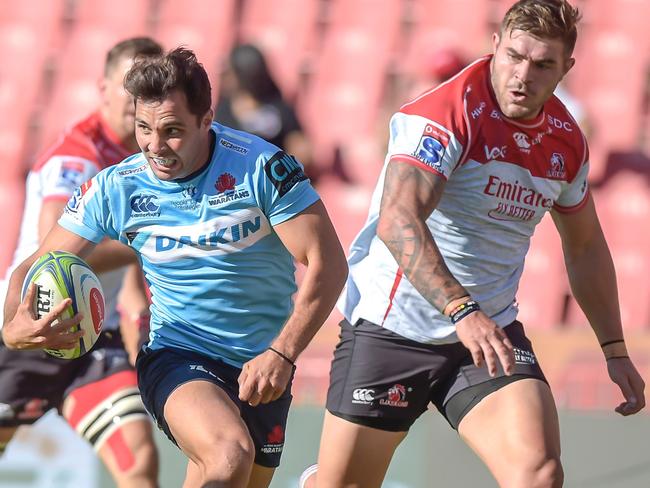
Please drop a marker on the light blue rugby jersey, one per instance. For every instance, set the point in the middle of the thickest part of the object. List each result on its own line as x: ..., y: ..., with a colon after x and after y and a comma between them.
x: 221, y: 280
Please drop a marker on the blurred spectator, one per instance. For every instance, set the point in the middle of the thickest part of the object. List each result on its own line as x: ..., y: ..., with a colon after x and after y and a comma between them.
x: 251, y: 101
x: 442, y: 64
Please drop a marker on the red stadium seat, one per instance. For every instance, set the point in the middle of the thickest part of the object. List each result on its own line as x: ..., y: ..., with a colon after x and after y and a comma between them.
x: 347, y: 207
x: 343, y: 98
x: 285, y: 30
x: 121, y: 15
x: 446, y: 24
x: 202, y: 27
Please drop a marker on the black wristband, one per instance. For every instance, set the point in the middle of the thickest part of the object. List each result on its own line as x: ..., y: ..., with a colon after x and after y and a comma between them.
x: 607, y: 343
x: 463, y: 310
x: 286, y: 358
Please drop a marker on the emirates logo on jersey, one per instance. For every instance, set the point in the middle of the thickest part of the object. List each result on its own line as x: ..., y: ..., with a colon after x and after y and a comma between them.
x: 225, y: 182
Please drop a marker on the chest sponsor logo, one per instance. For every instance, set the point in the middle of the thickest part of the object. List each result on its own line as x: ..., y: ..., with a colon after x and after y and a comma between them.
x: 217, y: 236
x: 144, y: 206
x: 517, y: 202
x: 431, y: 147
x: 233, y: 147
x: 284, y: 172
x: 495, y: 152
x: 557, y: 170
x: 222, y: 236
x: 559, y: 124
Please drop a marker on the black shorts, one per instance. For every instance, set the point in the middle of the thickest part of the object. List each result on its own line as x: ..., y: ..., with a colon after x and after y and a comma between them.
x: 383, y: 380
x: 161, y: 371
x: 33, y: 382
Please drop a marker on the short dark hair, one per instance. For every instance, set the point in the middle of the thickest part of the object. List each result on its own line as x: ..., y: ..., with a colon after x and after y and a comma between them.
x: 153, y: 79
x: 552, y: 19
x: 132, y: 48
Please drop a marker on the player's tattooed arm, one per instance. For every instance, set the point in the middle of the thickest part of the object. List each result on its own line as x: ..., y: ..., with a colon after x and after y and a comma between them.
x: 410, y: 195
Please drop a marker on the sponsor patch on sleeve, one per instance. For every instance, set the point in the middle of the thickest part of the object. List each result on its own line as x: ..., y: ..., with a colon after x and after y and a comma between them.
x: 284, y: 172
x: 72, y: 174
x: 431, y: 147
x: 77, y: 197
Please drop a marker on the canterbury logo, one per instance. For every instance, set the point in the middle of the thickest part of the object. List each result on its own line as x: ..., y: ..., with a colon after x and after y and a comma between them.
x: 363, y: 395
x: 144, y: 203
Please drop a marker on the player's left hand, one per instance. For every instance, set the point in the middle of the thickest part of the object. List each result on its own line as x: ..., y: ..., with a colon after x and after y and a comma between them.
x: 624, y: 374
x: 264, y: 378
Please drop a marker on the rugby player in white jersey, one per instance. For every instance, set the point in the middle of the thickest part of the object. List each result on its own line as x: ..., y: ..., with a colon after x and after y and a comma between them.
x: 430, y: 305
x: 97, y: 394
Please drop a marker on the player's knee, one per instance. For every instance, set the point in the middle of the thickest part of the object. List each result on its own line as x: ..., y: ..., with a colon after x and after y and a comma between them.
x: 146, y: 462
x: 227, y: 460
x: 548, y: 473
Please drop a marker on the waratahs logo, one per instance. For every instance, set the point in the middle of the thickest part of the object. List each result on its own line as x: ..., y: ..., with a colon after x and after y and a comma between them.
x: 144, y: 206
x: 225, y: 182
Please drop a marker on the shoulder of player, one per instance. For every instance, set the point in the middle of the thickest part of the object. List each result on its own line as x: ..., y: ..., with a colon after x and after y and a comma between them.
x: 251, y: 149
x: 565, y: 129
x: 73, y: 144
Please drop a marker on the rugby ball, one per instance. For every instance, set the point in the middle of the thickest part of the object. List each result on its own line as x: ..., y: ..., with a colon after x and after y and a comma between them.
x: 59, y: 275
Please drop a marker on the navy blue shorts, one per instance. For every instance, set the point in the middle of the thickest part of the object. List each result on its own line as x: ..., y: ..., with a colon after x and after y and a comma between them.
x: 161, y: 371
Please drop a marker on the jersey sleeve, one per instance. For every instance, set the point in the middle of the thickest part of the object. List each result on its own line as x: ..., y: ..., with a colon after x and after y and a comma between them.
x: 283, y: 190
x: 87, y: 213
x: 433, y: 143
x: 574, y: 195
x: 61, y: 175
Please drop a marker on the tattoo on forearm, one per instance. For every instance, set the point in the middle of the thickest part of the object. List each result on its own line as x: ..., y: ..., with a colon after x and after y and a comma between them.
x: 411, y: 243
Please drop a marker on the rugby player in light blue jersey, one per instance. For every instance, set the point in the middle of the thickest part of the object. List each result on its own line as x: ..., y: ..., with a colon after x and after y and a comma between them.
x: 217, y: 217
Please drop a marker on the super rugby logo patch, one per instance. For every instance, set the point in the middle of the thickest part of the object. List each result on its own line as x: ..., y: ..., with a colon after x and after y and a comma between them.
x: 431, y: 147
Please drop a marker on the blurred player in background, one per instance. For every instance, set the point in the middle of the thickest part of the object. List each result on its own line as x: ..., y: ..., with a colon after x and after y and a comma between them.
x: 430, y: 309
x: 217, y: 217
x: 97, y: 393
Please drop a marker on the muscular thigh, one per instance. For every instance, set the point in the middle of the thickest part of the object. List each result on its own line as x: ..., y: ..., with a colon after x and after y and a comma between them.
x: 173, y: 383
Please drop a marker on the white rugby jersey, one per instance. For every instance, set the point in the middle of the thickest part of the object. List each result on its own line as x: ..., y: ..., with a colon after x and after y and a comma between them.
x: 86, y: 148
x: 502, y: 177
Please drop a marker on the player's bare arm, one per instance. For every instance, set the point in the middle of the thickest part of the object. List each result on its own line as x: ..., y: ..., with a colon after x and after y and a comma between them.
x: 410, y: 195
x: 593, y: 283
x: 107, y: 256
x: 21, y: 329
x: 311, y: 239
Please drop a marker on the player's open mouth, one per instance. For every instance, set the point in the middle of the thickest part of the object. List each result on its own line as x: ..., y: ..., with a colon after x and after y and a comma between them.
x: 164, y: 163
x: 518, y: 96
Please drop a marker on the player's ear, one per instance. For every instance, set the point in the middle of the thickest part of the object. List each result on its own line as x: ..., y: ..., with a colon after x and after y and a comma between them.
x: 496, y: 39
x: 568, y: 64
x: 206, y: 121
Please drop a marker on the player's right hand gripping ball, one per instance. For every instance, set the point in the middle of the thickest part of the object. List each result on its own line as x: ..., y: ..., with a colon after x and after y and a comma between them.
x: 59, y: 275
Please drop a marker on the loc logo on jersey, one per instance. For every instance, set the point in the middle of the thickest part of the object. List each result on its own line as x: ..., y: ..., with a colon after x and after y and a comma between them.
x: 431, y: 147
